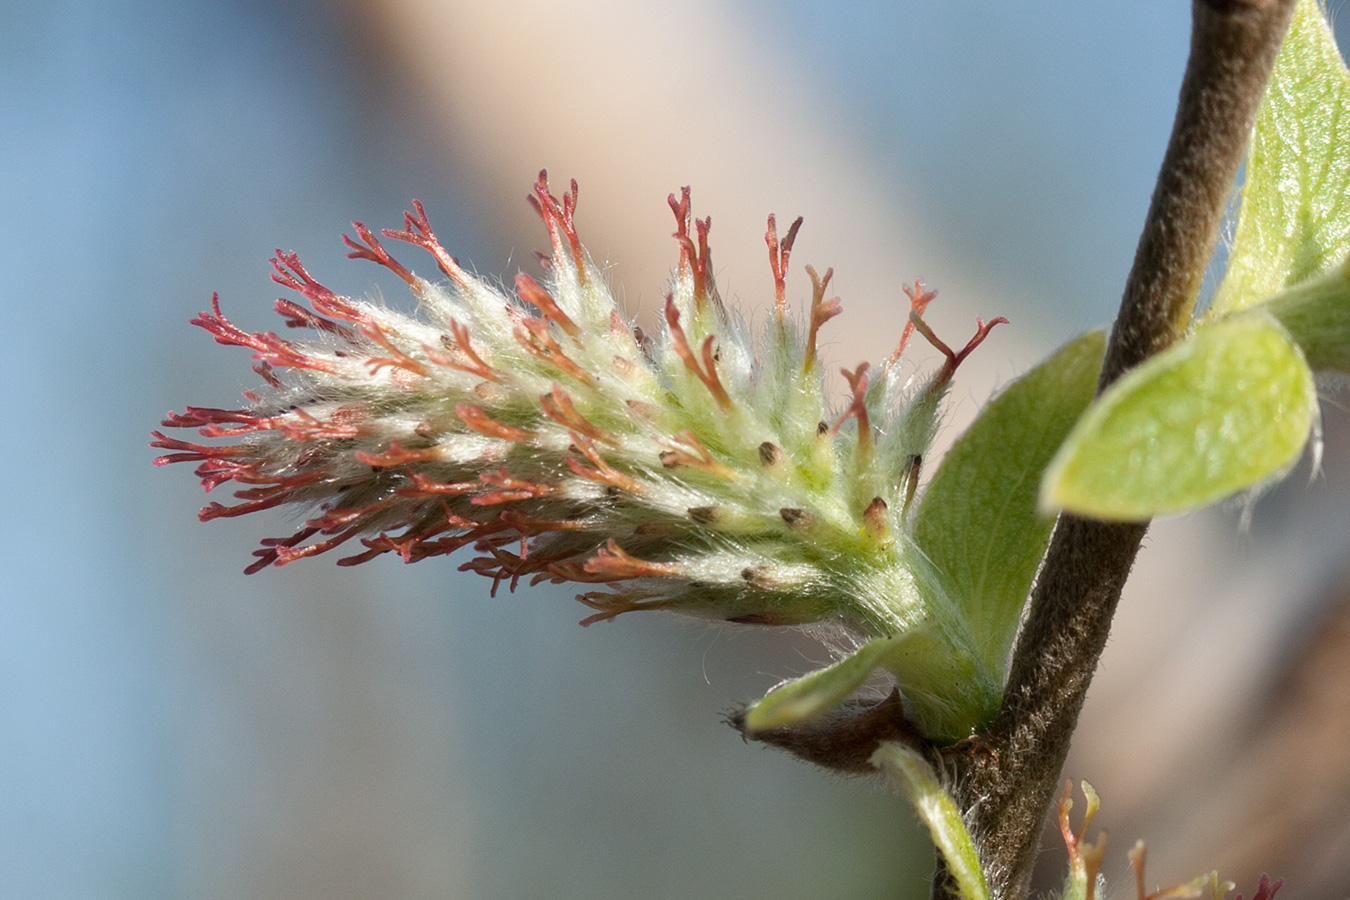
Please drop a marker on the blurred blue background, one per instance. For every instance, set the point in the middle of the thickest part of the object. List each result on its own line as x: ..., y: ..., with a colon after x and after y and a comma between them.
x: 170, y: 728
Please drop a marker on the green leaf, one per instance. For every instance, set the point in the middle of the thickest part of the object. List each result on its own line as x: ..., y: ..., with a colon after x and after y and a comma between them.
x: 950, y: 693
x: 1214, y: 415
x: 938, y: 811
x: 978, y: 523
x: 1316, y: 313
x: 815, y: 694
x: 1294, y: 221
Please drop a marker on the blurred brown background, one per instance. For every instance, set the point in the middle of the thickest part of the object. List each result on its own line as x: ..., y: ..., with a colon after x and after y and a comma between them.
x: 170, y: 728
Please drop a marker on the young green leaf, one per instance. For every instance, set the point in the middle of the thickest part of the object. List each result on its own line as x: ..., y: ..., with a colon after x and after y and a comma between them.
x: 812, y: 695
x: 938, y: 811
x: 978, y: 523
x: 1214, y: 415
x: 1294, y: 221
x: 1316, y: 313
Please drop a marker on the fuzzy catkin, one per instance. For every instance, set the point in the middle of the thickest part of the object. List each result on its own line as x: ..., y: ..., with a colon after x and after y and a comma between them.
x: 699, y: 469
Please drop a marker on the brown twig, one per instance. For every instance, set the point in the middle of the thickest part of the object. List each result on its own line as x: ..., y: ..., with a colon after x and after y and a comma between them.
x: 1005, y: 779
x: 1007, y: 786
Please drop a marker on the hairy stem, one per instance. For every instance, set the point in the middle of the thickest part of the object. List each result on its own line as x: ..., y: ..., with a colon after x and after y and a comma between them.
x: 1004, y: 780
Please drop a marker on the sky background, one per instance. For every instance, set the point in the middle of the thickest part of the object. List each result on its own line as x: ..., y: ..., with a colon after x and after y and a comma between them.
x: 171, y: 728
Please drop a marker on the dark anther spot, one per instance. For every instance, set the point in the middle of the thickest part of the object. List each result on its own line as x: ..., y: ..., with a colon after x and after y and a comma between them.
x: 703, y: 515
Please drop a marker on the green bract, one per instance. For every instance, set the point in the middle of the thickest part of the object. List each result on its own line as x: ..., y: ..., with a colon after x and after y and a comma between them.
x: 1316, y: 313
x: 806, y: 698
x: 978, y: 524
x: 939, y: 813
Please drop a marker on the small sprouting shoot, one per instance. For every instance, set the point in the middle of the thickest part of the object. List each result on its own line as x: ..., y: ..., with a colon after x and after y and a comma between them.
x: 1085, y: 880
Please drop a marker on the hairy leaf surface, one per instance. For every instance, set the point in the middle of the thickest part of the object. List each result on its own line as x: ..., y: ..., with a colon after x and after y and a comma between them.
x: 1216, y: 414
x: 978, y: 523
x: 1294, y: 221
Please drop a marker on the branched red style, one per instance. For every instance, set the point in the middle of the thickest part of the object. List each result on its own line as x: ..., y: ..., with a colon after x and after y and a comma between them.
x: 288, y: 272
x: 603, y: 472
x: 778, y: 261
x: 557, y: 405
x: 612, y: 560
x: 510, y: 489
x: 529, y: 290
x: 534, y: 336
x: 1266, y: 888
x: 708, y: 372
x: 696, y: 259
x: 417, y: 231
x: 612, y: 605
x: 396, y: 359
x: 687, y: 450
x: 557, y: 215
x: 266, y: 346
x: 954, y: 359
x: 374, y: 251
x: 477, y: 420
x: 461, y: 355
x: 296, y: 316
x: 919, y: 298
x: 857, y: 409
x: 822, y: 311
